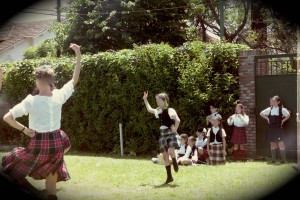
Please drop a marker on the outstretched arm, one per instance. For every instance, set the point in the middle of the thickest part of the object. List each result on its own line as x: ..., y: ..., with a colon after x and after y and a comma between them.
x: 149, y: 108
x: 76, y: 73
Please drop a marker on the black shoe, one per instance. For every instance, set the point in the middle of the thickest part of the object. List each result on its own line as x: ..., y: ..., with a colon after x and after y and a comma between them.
x: 283, y: 162
x: 34, y: 191
x: 271, y: 163
x: 52, y: 197
x: 176, y: 168
x: 169, y: 180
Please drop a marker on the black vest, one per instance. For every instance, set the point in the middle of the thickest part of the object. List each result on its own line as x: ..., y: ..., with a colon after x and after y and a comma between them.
x: 181, y: 155
x: 218, y: 136
x: 275, y: 120
x: 193, y: 152
x: 165, y: 119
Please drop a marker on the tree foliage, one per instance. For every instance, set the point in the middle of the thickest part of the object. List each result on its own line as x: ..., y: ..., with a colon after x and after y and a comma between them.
x: 100, y: 25
x: 111, y: 87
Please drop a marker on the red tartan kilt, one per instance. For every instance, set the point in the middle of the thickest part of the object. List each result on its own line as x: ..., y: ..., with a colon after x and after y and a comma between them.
x: 43, y: 155
x: 204, y: 156
x: 239, y: 135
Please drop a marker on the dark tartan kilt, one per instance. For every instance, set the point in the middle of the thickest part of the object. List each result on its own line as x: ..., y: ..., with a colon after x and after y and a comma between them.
x: 43, y: 155
x: 216, y: 155
x: 168, y: 139
x: 239, y: 135
x: 275, y: 134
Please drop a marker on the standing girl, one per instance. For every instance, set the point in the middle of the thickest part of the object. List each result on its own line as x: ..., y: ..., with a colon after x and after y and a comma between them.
x: 44, y: 156
x: 214, y: 113
x: 239, y: 120
x: 276, y: 115
x: 169, y: 123
x: 216, y: 142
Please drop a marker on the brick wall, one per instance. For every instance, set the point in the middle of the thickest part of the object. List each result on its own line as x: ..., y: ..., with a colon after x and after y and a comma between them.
x: 247, y: 95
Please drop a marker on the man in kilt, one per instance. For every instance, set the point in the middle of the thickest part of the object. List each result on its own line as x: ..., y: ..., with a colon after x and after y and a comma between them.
x: 216, y: 142
x: 169, y: 139
x: 43, y: 158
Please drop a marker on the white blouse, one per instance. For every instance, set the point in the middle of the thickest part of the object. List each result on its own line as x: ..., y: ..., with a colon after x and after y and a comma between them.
x: 215, y: 131
x: 200, y: 142
x: 44, y: 111
x: 171, y: 112
x: 238, y: 120
x: 275, y: 111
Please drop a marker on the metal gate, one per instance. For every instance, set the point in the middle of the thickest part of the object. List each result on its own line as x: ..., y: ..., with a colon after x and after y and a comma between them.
x: 276, y: 75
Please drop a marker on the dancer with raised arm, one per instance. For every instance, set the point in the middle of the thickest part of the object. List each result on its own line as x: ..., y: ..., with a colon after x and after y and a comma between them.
x: 43, y: 158
x: 169, y: 123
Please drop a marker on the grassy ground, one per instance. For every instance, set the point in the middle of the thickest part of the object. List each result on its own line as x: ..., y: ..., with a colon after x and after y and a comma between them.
x: 111, y: 177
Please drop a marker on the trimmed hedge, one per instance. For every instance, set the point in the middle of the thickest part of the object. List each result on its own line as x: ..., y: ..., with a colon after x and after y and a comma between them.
x: 111, y: 87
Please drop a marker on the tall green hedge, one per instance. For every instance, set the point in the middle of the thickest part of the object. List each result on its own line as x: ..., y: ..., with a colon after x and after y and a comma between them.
x: 111, y: 87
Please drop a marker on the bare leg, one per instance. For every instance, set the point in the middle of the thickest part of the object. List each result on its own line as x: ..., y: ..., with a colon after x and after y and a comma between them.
x: 51, y: 181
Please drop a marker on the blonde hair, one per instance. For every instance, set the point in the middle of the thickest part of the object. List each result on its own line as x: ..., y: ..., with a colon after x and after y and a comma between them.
x: 164, y: 96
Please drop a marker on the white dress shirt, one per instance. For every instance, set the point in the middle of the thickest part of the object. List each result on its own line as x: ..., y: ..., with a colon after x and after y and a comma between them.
x: 44, y: 111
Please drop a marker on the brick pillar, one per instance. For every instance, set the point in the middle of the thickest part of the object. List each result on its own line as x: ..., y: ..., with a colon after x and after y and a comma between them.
x: 247, y: 95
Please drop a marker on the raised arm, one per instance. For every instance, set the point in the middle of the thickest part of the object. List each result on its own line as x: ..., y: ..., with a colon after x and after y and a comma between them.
x: 76, y: 72
x: 149, y: 108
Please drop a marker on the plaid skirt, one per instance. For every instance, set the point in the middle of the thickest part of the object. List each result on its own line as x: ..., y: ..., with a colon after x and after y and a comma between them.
x: 168, y: 139
x: 216, y: 154
x: 239, y: 135
x: 43, y: 155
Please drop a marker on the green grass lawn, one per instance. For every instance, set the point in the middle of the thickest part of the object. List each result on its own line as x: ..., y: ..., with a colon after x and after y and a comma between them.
x: 113, y: 177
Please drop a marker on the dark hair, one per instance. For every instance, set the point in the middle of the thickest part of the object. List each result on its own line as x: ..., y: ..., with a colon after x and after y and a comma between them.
x: 277, y: 98
x: 215, y: 105
x: 201, y: 129
x: 46, y: 72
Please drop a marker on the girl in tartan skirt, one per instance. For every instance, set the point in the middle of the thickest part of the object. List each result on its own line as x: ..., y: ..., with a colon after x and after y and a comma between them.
x: 44, y: 156
x: 169, y: 123
x: 216, y: 143
x: 239, y: 120
x: 276, y: 115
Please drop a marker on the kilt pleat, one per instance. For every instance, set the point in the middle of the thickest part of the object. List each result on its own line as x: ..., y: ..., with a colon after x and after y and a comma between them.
x: 43, y: 155
x: 216, y: 155
x: 168, y: 139
x: 239, y: 135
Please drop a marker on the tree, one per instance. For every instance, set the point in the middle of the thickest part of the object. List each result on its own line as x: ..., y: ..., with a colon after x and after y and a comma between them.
x: 247, y: 22
x: 101, y: 25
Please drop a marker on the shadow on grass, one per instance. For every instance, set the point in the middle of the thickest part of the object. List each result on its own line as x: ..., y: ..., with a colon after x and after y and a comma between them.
x: 170, y: 185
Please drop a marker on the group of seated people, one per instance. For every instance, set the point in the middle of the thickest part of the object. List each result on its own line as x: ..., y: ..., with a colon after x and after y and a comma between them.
x: 192, y: 150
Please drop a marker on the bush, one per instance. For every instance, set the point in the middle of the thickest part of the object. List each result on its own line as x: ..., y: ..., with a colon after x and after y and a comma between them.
x: 111, y: 87
x: 44, y: 49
